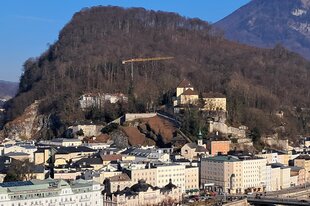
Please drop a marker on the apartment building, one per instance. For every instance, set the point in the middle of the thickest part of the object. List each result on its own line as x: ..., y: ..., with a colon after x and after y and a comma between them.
x: 234, y: 174
x: 225, y: 172
x: 191, y: 179
x: 254, y: 172
x: 161, y: 174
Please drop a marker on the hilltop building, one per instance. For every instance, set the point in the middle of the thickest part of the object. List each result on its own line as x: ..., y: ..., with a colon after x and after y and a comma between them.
x: 98, y: 100
x: 187, y: 96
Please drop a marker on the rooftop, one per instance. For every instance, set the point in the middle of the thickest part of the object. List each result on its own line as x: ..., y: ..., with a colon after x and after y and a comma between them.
x: 68, y: 150
x: 190, y: 92
x: 305, y: 157
x: 222, y: 159
x: 184, y: 83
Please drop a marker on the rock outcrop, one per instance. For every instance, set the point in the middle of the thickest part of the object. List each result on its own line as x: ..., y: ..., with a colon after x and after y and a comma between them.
x: 27, y: 126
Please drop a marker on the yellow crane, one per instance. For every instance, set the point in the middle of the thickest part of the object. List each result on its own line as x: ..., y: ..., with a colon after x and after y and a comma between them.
x: 144, y: 60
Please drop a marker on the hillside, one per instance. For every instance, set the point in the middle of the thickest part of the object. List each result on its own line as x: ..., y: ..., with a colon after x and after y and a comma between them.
x: 288, y: 24
x: 87, y: 58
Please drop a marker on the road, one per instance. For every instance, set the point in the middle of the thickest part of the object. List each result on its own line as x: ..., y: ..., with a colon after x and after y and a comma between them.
x: 278, y: 201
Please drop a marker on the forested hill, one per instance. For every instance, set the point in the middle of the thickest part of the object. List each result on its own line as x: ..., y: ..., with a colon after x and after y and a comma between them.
x: 87, y: 57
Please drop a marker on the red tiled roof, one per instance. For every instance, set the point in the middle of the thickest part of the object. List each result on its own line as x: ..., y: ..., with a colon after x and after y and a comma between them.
x: 190, y: 92
x: 184, y: 83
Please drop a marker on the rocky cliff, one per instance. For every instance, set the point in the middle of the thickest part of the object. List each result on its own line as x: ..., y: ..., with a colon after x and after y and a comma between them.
x: 27, y: 126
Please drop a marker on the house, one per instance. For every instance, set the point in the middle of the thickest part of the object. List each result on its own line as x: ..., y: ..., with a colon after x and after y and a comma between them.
x: 187, y: 96
x: 300, y: 175
x: 97, y: 100
x: 303, y: 161
x: 193, y: 150
x: 218, y: 145
x: 118, y: 182
x: 214, y: 102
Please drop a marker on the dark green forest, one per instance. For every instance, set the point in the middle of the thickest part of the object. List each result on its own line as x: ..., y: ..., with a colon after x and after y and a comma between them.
x: 88, y: 58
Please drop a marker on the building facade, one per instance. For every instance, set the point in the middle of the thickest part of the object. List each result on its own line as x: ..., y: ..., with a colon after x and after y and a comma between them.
x: 50, y: 192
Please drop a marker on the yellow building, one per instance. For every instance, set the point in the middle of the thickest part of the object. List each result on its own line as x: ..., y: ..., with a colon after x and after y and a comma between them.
x: 183, y: 86
x: 118, y: 182
x: 214, y: 103
x: 303, y: 161
x: 234, y: 174
x: 187, y: 95
x: 191, y: 179
x: 225, y: 172
x: 41, y: 156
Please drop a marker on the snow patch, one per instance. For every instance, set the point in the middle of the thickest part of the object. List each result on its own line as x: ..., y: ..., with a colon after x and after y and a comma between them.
x: 303, y: 28
x: 251, y: 22
x: 299, y: 12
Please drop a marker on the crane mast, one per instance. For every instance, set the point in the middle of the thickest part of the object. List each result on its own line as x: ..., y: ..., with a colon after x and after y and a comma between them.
x: 144, y: 60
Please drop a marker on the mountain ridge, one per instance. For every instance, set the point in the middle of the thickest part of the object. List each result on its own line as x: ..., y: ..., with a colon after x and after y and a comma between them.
x: 8, y: 89
x: 268, y: 23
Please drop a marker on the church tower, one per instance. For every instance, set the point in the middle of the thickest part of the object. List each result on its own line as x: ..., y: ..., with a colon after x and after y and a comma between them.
x: 200, y: 139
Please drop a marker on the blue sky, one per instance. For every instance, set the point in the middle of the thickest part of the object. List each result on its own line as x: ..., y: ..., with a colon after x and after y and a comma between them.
x: 28, y: 26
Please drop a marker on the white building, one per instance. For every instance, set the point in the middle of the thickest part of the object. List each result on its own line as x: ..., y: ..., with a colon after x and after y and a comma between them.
x: 254, y: 172
x: 160, y: 175
x: 62, y: 142
x: 98, y: 100
x: 50, y: 192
